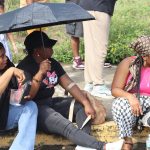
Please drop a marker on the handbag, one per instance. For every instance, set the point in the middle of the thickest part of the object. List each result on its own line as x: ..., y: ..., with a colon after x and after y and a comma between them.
x: 99, y: 108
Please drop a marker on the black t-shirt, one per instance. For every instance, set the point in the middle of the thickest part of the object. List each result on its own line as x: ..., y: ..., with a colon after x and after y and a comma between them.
x: 106, y: 6
x: 4, y: 98
x: 50, y: 80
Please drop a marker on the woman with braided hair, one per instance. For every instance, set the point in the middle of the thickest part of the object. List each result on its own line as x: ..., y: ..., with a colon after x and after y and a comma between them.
x: 131, y: 87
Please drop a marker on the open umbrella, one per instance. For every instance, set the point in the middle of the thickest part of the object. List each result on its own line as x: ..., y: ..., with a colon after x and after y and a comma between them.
x: 42, y: 15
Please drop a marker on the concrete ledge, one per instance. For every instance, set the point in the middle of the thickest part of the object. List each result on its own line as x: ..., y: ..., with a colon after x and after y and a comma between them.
x: 107, y: 132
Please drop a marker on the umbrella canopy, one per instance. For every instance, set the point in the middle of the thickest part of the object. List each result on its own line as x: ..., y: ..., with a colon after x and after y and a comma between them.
x: 42, y: 15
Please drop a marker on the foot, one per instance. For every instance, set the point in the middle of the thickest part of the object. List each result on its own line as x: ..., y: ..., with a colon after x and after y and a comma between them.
x: 115, y: 145
x: 107, y: 65
x: 88, y: 87
x: 78, y: 64
x: 101, y: 91
x: 83, y: 148
x: 127, y: 146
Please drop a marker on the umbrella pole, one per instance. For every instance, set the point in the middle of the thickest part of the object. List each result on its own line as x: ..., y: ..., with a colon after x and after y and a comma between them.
x: 42, y: 40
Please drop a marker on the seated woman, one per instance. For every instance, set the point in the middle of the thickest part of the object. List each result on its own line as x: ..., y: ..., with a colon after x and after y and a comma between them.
x: 131, y: 87
x: 53, y: 112
x: 11, y: 116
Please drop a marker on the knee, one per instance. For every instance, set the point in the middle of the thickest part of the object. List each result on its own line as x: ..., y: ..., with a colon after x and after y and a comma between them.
x: 31, y: 105
x: 120, y: 103
x: 120, y: 106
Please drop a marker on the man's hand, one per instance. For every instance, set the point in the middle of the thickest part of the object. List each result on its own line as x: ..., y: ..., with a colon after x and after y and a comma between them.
x: 89, y: 110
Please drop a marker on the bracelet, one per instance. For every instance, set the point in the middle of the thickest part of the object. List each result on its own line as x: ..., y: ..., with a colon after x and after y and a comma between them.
x: 70, y: 86
x: 38, y: 81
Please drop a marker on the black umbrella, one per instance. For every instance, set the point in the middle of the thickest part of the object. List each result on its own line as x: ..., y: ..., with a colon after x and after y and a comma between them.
x: 42, y: 15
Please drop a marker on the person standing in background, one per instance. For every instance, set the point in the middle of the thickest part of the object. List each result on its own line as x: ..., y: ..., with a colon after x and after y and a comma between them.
x: 27, y: 2
x: 96, y: 33
x: 75, y: 30
x: 3, y: 37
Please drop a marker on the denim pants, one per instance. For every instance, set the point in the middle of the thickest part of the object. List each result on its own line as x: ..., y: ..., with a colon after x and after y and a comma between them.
x: 25, y: 117
x: 53, y: 114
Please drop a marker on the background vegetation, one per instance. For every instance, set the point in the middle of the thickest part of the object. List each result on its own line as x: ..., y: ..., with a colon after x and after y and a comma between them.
x: 131, y: 19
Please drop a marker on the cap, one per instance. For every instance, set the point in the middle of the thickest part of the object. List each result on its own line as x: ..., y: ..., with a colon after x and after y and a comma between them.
x: 34, y: 40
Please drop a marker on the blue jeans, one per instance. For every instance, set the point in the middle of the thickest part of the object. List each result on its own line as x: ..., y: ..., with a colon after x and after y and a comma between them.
x: 25, y: 117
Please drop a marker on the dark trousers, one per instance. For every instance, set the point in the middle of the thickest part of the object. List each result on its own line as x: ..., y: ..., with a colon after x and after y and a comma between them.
x: 53, y: 114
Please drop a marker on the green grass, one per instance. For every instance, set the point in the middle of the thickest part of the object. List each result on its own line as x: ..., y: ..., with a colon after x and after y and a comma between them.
x: 130, y: 19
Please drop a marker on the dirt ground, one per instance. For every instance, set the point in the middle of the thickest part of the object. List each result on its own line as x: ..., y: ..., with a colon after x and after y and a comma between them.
x: 50, y: 147
x: 139, y: 146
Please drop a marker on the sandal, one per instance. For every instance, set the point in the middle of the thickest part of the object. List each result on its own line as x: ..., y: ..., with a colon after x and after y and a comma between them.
x: 127, y: 146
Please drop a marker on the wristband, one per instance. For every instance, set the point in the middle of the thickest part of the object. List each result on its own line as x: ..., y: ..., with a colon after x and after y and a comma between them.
x: 38, y: 81
x: 70, y: 86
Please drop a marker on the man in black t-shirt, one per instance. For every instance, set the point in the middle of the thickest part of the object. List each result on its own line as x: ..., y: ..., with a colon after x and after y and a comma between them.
x: 96, y: 33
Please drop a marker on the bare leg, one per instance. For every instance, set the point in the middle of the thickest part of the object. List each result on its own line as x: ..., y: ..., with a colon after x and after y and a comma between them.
x: 75, y: 42
x: 77, y: 62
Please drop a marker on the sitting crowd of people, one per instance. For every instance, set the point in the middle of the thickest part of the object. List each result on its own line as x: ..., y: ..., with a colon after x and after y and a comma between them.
x: 34, y: 107
x: 130, y: 87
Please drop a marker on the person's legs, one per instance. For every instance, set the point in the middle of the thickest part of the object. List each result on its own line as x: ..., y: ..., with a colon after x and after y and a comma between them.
x: 62, y: 106
x: 124, y: 117
x: 51, y: 121
x: 96, y: 34
x: 25, y: 117
x: 75, y: 30
x: 75, y: 42
x: 125, y: 120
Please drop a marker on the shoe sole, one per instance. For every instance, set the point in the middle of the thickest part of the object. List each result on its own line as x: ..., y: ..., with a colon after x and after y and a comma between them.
x: 77, y: 68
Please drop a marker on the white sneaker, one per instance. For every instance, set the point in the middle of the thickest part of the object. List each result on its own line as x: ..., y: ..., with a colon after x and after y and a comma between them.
x: 115, y: 145
x: 88, y: 87
x: 107, y: 65
x: 83, y: 148
x: 101, y: 91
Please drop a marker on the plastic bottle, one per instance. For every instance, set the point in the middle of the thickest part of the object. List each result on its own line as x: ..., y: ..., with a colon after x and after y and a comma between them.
x: 148, y: 143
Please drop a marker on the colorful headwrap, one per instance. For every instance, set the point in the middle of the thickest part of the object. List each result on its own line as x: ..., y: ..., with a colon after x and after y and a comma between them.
x: 142, y: 47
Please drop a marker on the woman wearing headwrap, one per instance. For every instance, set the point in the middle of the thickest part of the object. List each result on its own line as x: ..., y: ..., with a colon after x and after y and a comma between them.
x: 131, y: 87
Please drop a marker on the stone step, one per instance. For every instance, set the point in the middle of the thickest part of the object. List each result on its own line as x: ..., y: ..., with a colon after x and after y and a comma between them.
x: 107, y: 132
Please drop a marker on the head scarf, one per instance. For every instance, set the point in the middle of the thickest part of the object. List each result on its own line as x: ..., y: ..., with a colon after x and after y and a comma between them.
x: 142, y: 47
